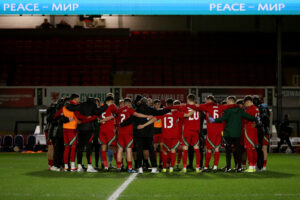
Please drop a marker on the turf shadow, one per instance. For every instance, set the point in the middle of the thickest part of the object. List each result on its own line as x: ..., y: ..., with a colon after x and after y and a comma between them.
x: 50, y: 174
x: 257, y: 175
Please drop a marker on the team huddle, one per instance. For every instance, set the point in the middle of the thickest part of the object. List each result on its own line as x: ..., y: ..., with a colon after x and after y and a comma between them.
x: 145, y: 130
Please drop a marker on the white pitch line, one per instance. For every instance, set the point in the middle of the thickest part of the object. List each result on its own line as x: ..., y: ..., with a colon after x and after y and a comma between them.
x: 117, y: 193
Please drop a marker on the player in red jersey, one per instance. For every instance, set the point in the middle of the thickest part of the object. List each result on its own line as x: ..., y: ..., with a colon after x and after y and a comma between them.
x: 180, y: 129
x: 170, y: 134
x: 125, y: 137
x: 251, y: 139
x: 107, y: 135
x: 191, y: 134
x: 214, y: 131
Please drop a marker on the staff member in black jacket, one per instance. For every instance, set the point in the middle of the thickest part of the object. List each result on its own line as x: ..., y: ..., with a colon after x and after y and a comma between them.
x: 85, y: 130
x: 86, y: 134
x: 144, y: 137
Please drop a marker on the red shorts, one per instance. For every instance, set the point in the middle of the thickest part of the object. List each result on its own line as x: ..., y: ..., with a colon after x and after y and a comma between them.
x: 266, y: 140
x: 125, y: 141
x: 213, y: 141
x: 48, y: 141
x: 170, y: 143
x: 107, y: 137
x: 190, y: 138
x: 157, y: 138
x: 250, y: 139
x: 70, y: 137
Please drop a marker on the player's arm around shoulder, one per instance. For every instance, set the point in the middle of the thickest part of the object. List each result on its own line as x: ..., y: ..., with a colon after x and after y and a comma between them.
x: 188, y: 114
x: 147, y: 123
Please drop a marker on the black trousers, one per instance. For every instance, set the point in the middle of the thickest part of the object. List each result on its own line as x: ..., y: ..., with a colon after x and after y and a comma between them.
x: 58, y: 157
x: 85, y: 139
x: 141, y: 144
x: 236, y: 142
x: 96, y: 146
x: 260, y: 153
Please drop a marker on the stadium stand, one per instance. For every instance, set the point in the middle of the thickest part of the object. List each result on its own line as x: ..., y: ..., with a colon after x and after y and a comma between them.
x: 31, y: 142
x: 173, y: 58
x: 8, y: 143
x: 19, y: 141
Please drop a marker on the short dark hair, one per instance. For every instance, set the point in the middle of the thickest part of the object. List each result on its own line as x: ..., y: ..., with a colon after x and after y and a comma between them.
x: 127, y: 100
x: 191, y: 97
x: 240, y: 101
x: 169, y: 102
x: 156, y: 101
x: 232, y: 98
x: 109, y: 98
x: 74, y: 96
x: 138, y: 98
x: 256, y: 100
x: 177, y: 102
x: 248, y: 98
x: 90, y: 99
x: 211, y: 97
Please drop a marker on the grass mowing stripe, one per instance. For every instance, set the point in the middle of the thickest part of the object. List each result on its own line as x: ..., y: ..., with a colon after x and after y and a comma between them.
x: 117, y: 193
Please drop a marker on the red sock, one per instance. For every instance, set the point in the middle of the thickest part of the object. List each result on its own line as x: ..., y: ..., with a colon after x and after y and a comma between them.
x: 50, y: 162
x: 198, y: 158
x: 184, y: 158
x: 265, y: 163
x: 118, y: 165
x: 243, y: 162
x: 90, y: 159
x: 165, y: 160
x: 207, y: 158
x: 104, y: 159
x: 217, y: 158
x: 179, y: 156
x: 173, y: 159
x: 66, y: 154
x: 129, y: 164
x: 254, y: 157
x: 73, y: 153
x: 250, y: 157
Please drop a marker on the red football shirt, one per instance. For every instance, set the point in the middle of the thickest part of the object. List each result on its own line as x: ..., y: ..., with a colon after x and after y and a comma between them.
x: 112, y: 109
x: 170, y: 124
x: 122, y: 115
x: 254, y: 111
x: 192, y: 123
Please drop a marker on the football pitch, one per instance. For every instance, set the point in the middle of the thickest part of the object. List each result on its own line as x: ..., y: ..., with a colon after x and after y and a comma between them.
x: 25, y: 176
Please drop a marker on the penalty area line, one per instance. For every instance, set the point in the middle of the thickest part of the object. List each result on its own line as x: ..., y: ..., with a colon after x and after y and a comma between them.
x: 117, y: 193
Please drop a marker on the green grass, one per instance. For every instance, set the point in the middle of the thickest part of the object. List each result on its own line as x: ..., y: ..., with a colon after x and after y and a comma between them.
x: 24, y: 176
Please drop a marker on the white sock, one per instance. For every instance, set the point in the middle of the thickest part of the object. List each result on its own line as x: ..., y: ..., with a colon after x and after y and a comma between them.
x: 171, y: 168
x: 72, y: 165
x: 66, y: 166
x: 90, y: 166
x: 215, y: 167
x: 79, y: 166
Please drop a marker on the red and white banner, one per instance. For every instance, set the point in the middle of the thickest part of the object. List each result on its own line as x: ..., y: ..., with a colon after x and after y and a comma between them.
x: 157, y: 93
x: 17, y: 97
